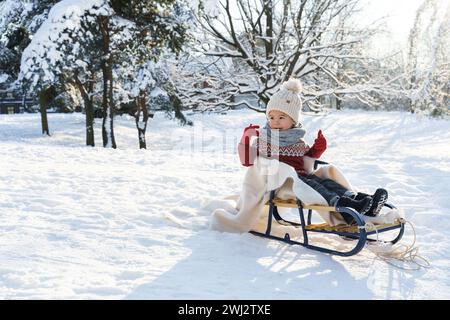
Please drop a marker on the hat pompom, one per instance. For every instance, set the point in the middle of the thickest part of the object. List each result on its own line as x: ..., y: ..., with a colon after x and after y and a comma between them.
x: 293, y: 85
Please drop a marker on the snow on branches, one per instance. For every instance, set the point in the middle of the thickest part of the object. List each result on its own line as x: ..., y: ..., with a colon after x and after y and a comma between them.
x: 270, y: 41
x: 57, y: 43
x: 428, y: 86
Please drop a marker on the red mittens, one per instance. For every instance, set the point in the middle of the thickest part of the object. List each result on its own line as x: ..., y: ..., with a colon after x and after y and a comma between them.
x: 319, y: 146
x: 247, y: 152
x: 320, y: 143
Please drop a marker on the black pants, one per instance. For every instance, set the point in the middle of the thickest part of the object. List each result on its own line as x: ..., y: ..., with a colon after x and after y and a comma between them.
x: 329, y: 189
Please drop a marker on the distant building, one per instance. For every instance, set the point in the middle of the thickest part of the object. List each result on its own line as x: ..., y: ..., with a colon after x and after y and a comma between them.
x: 14, y: 102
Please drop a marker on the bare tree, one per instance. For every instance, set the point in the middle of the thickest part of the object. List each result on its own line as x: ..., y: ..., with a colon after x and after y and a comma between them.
x: 269, y: 41
x: 427, y: 65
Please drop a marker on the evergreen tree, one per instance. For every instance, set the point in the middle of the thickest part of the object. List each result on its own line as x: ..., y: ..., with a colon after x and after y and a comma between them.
x: 155, y: 26
x: 19, y: 20
x: 80, y: 40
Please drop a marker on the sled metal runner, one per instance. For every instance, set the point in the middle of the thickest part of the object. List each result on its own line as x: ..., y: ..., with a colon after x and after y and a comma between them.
x: 358, y: 232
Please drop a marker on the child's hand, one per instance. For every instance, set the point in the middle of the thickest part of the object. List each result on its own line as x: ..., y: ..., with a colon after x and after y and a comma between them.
x: 247, y: 151
x: 319, y: 146
x: 320, y: 143
x: 251, y: 130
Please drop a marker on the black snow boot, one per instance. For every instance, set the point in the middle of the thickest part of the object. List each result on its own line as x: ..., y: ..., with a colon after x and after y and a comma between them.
x: 379, y: 199
x: 362, y: 206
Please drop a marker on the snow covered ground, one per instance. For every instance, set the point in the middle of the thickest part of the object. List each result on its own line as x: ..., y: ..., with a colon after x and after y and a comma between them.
x: 91, y: 223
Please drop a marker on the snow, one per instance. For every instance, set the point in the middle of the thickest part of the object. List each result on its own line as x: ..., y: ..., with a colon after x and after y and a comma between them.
x: 209, y: 7
x: 10, y: 10
x: 3, y: 77
x: 78, y: 222
x: 157, y: 92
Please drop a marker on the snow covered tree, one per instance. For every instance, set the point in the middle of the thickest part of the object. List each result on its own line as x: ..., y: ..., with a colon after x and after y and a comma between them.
x: 270, y: 41
x: 136, y: 83
x: 150, y: 89
x: 206, y: 83
x: 19, y: 20
x: 61, y: 46
x: 13, y: 35
x: 80, y: 38
x: 154, y: 27
x: 356, y: 77
x: 428, y: 67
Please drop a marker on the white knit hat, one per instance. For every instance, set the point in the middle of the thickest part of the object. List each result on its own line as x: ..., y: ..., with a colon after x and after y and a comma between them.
x: 287, y: 99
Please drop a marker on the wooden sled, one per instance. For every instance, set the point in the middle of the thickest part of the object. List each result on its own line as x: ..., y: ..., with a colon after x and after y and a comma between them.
x: 357, y: 232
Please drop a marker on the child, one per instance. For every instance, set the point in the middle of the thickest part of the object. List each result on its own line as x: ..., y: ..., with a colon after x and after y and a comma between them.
x: 282, y: 113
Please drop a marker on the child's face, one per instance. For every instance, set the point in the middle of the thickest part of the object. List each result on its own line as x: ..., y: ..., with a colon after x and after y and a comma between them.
x: 280, y: 121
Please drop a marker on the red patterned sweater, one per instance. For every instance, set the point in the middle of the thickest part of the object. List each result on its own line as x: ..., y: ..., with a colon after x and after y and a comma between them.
x: 292, y: 154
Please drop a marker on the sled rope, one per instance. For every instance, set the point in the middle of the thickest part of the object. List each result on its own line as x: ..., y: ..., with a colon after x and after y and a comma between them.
x: 401, y: 254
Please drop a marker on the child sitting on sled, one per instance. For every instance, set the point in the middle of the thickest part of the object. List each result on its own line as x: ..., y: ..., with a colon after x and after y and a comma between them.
x: 282, y: 138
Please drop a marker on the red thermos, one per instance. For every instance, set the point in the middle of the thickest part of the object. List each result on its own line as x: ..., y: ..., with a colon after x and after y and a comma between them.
x: 247, y: 149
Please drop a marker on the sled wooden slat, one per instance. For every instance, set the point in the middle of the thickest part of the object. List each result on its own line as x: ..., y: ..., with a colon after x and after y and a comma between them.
x: 350, y: 229
x: 292, y: 203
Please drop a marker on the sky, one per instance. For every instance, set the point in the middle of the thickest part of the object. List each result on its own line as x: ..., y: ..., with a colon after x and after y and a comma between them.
x: 399, y: 19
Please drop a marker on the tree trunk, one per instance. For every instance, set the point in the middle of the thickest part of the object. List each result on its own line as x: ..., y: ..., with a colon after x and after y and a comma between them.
x: 269, y: 29
x: 338, y: 102
x: 108, y: 102
x: 89, y: 109
x: 177, y: 106
x: 141, y: 123
x: 43, y: 101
